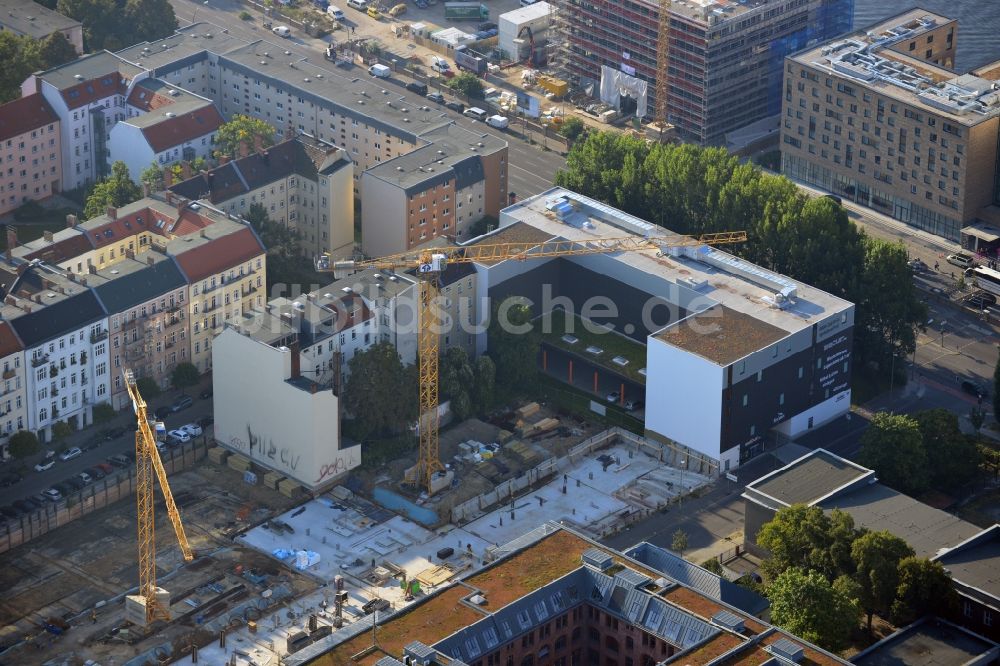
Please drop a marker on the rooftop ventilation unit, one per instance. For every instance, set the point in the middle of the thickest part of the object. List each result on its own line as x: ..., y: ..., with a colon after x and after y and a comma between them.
x: 420, y: 654
x: 787, y: 649
x: 597, y: 558
x: 783, y: 288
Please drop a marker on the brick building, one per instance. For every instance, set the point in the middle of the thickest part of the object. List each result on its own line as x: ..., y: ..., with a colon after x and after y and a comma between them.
x: 30, y: 152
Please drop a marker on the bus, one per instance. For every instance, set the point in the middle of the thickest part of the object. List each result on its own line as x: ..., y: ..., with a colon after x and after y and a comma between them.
x: 986, y: 279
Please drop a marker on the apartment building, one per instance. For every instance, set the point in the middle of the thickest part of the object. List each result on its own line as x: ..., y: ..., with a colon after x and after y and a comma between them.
x: 224, y: 264
x: 146, y: 299
x: 88, y: 96
x: 163, y: 125
x: 30, y: 152
x: 303, y: 183
x: 62, y: 327
x: 877, y: 117
x: 436, y: 191
x: 24, y: 17
x: 725, y: 56
x: 13, y: 398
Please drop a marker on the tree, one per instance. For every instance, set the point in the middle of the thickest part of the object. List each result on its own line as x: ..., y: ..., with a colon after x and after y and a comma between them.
x: 102, y: 413
x: 893, y: 447
x: 485, y: 386
x: 115, y: 24
x: 457, y: 381
x: 243, y: 133
x: 153, y: 177
x: 23, y: 443
x: 184, y: 376
x: 55, y: 50
x: 712, y: 564
x: 150, y: 20
x: 989, y: 460
x: 952, y: 458
x: 468, y: 84
x: 513, y: 342
x: 61, y: 430
x: 380, y: 393
x: 924, y: 587
x: 805, y: 537
x: 285, y: 264
x: 807, y: 605
x: 116, y: 190
x: 977, y: 417
x: 877, y: 556
x: 572, y: 127
x: 148, y: 388
x: 18, y: 62
x: 679, y: 541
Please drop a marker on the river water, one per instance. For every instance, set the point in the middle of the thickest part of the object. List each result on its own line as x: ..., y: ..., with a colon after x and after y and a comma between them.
x: 978, y: 24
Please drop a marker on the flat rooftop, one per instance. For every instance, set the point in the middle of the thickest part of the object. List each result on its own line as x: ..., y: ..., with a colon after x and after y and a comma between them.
x: 712, y: 278
x: 808, y: 479
x: 32, y: 19
x: 866, y: 58
x: 929, y: 642
x: 88, y: 67
x: 976, y: 563
x: 721, y: 334
x: 191, y: 40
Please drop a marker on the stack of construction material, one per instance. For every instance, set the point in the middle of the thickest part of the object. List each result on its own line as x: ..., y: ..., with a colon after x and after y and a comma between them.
x: 528, y: 410
x: 305, y: 559
x: 218, y: 455
x: 238, y: 462
x: 289, y: 488
x: 545, y: 425
x: 272, y: 479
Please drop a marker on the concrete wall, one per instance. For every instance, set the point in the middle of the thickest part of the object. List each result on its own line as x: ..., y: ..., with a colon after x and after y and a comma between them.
x: 338, y: 188
x: 383, y: 217
x: 276, y: 424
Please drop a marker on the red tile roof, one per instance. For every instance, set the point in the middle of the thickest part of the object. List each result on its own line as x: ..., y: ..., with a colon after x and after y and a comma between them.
x: 25, y: 114
x: 176, y: 130
x: 9, y: 343
x: 73, y: 245
x: 145, y: 99
x: 94, y: 89
x: 219, y: 254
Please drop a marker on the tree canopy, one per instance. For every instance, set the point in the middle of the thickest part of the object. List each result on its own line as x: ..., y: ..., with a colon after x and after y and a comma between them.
x: 893, y: 446
x: 513, y: 342
x: 21, y: 55
x: 23, y: 443
x: 877, y: 556
x: 924, y: 587
x: 807, y: 605
x: 287, y: 269
x: 243, y: 133
x: 116, y: 190
x: 184, y: 376
x: 952, y: 458
x: 806, y: 538
x: 115, y: 24
x: 381, y: 394
x: 468, y: 84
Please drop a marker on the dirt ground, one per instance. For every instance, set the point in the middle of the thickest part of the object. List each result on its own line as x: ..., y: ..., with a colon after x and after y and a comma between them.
x: 68, y: 573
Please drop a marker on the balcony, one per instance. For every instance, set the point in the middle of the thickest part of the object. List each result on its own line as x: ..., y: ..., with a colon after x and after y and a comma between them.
x: 39, y: 360
x: 246, y: 291
x: 97, y: 337
x: 9, y: 374
x: 173, y: 321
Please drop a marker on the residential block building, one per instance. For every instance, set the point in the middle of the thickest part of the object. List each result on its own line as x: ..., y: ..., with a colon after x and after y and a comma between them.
x: 304, y: 184
x: 973, y: 566
x: 24, y: 17
x: 163, y: 125
x: 436, y: 191
x: 30, y: 152
x: 725, y: 57
x: 879, y: 118
x: 13, y: 399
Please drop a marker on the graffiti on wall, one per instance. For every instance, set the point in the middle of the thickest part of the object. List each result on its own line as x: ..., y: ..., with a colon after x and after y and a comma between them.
x: 267, y: 451
x: 339, y: 465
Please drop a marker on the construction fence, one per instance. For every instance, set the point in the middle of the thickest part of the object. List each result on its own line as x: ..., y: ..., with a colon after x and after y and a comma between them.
x: 98, y: 495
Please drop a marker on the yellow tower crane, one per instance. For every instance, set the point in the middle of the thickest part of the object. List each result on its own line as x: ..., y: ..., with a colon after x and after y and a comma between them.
x: 147, y: 461
x: 429, y: 265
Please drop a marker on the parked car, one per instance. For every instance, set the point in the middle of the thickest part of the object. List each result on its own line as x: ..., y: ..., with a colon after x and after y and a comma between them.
x: 52, y: 494
x: 834, y: 198
x: 45, y: 465
x: 614, y: 396
x: 95, y: 472
x: 64, y: 488
x: 86, y: 478
x: 206, y: 394
x: 179, y: 436
x: 75, y: 482
x: 192, y: 429
x: 417, y: 87
x: 119, y: 461
x: 206, y: 421
x: 455, y: 106
x: 634, y: 405
x: 71, y: 453
x: 183, y: 402
x: 162, y: 412
x: 916, y: 265
x: 973, y: 388
x: 105, y: 467
x: 487, y: 25
x: 282, y: 31
x: 27, y: 505
x: 373, y: 13
x: 961, y: 260
x: 10, y: 512
x: 113, y: 433
x: 10, y: 479
x: 435, y: 97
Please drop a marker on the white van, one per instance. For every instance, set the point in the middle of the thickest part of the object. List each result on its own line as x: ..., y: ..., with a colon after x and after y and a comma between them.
x: 335, y: 13
x: 439, y: 64
x: 281, y: 31
x: 499, y: 122
x: 360, y: 5
x: 380, y: 71
x: 475, y: 112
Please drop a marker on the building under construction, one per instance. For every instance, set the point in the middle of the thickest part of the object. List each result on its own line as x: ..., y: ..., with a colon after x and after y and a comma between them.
x: 725, y: 56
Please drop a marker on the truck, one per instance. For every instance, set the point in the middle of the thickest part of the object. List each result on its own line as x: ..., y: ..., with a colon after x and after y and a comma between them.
x: 466, y: 11
x: 468, y: 62
x: 499, y: 122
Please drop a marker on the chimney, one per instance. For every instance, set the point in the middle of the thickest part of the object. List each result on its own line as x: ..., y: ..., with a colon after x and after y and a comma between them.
x: 130, y: 254
x: 83, y: 281
x: 38, y: 298
x: 244, y: 149
x: 7, y: 255
x: 203, y: 234
x: 92, y: 269
x: 185, y: 170
x: 149, y: 260
x: 112, y: 212
x: 72, y: 276
x: 296, y: 361
x: 168, y: 181
x: 146, y: 189
x: 71, y: 221
x: 47, y: 235
x: 258, y: 143
x: 11, y: 237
